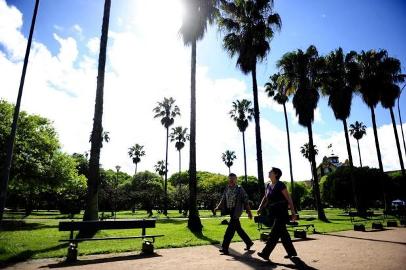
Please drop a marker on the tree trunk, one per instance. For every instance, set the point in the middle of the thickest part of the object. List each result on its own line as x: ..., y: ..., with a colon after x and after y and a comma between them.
x: 401, y: 124
x: 392, y: 115
x: 229, y: 170
x: 290, y: 155
x: 91, y: 211
x: 136, y: 164
x: 258, y: 133
x: 320, y: 210
x: 245, y: 158
x: 10, y: 143
x: 166, y: 174
x: 194, y: 223
x: 359, y: 153
x: 347, y: 141
x: 180, y: 167
x: 378, y: 152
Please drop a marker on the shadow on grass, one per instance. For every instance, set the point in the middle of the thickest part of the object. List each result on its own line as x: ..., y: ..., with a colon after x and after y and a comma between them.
x: 201, y: 236
x: 366, y: 239
x: 100, y: 260
x: 21, y: 225
x: 28, y: 254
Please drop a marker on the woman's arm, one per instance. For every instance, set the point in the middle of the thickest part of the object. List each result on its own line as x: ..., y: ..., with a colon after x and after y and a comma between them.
x: 263, y: 203
x: 290, y: 202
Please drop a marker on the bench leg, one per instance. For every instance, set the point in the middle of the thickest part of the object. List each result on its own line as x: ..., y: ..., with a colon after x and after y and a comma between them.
x: 72, y: 253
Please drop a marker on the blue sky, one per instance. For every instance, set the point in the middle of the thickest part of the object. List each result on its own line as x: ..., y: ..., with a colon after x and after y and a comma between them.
x: 144, y: 44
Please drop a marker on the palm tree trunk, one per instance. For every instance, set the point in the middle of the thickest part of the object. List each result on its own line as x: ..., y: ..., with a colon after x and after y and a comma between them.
x: 229, y: 170
x: 166, y: 174
x: 180, y: 167
x: 194, y: 223
x: 401, y: 124
x: 245, y: 158
x: 392, y: 115
x: 290, y: 155
x: 378, y: 151
x: 10, y: 144
x: 320, y: 210
x: 258, y: 132
x: 347, y: 141
x: 91, y: 211
x: 359, y: 153
x: 135, y: 168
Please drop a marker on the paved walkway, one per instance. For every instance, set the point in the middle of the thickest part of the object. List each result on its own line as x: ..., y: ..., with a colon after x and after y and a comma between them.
x: 342, y: 250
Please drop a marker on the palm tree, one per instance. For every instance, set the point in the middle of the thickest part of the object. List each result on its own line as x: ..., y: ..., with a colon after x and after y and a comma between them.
x: 340, y: 79
x: 91, y: 211
x: 136, y: 152
x: 390, y: 92
x: 301, y: 72
x: 179, y: 135
x: 198, y: 14
x: 275, y: 88
x: 249, y: 26
x: 160, y: 167
x: 167, y: 111
x: 5, y: 173
x: 242, y: 114
x: 228, y: 159
x: 357, y: 130
x: 305, y: 151
x: 370, y: 87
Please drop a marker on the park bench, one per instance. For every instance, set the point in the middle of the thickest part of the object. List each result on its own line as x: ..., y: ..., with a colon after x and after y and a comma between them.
x: 92, y: 226
x: 297, y: 233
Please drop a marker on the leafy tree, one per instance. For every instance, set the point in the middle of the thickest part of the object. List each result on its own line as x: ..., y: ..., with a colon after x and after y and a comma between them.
x: 228, y: 158
x: 5, y: 169
x: 136, y: 152
x: 242, y: 114
x: 390, y: 92
x: 167, y: 111
x: 276, y: 88
x: 82, y: 164
x: 92, y: 208
x: 249, y: 26
x: 357, y: 130
x: 198, y: 14
x: 179, y: 136
x: 302, y: 72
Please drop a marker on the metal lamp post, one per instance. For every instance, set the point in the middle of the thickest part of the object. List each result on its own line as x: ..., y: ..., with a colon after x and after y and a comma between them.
x: 115, y: 191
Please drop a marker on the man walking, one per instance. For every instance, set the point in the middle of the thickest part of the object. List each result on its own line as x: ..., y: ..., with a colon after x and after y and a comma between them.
x: 233, y: 202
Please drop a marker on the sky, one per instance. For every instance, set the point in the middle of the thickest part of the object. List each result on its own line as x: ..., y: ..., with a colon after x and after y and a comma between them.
x: 147, y: 61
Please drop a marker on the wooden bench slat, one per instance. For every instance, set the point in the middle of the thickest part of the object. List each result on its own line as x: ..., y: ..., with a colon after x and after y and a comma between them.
x: 106, y: 225
x: 110, y: 238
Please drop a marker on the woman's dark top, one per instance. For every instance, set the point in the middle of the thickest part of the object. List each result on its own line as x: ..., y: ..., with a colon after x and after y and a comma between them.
x: 277, y: 203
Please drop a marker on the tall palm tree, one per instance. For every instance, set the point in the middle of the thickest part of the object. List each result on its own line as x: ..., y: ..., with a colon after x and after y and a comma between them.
x: 5, y: 173
x: 390, y: 92
x: 160, y: 167
x: 198, y: 14
x: 136, y: 152
x: 357, y: 130
x: 305, y: 151
x: 91, y: 211
x: 370, y: 87
x: 276, y: 88
x: 301, y: 70
x: 167, y: 111
x: 339, y: 81
x: 180, y: 136
x: 228, y: 158
x: 249, y: 26
x: 242, y: 114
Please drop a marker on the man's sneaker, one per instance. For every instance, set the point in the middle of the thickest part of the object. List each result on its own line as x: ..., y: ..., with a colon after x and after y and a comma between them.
x: 224, y: 251
x: 289, y: 256
x: 263, y: 256
x: 249, y: 246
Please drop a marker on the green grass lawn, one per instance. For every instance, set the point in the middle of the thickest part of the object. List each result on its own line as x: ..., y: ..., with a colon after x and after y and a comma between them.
x: 37, y: 235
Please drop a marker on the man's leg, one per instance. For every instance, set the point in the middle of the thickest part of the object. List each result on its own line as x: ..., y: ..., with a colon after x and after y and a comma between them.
x: 244, y: 236
x: 229, y: 234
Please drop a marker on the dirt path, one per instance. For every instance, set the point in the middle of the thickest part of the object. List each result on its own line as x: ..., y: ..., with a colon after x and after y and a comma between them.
x: 342, y: 250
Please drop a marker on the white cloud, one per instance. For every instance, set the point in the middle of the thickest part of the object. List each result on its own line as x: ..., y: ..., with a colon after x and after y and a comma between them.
x: 77, y: 28
x: 140, y: 71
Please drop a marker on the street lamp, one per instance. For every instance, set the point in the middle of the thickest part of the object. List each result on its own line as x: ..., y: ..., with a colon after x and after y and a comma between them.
x: 115, y: 191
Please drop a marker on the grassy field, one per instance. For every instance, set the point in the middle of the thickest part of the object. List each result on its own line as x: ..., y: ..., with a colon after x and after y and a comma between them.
x: 37, y: 235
